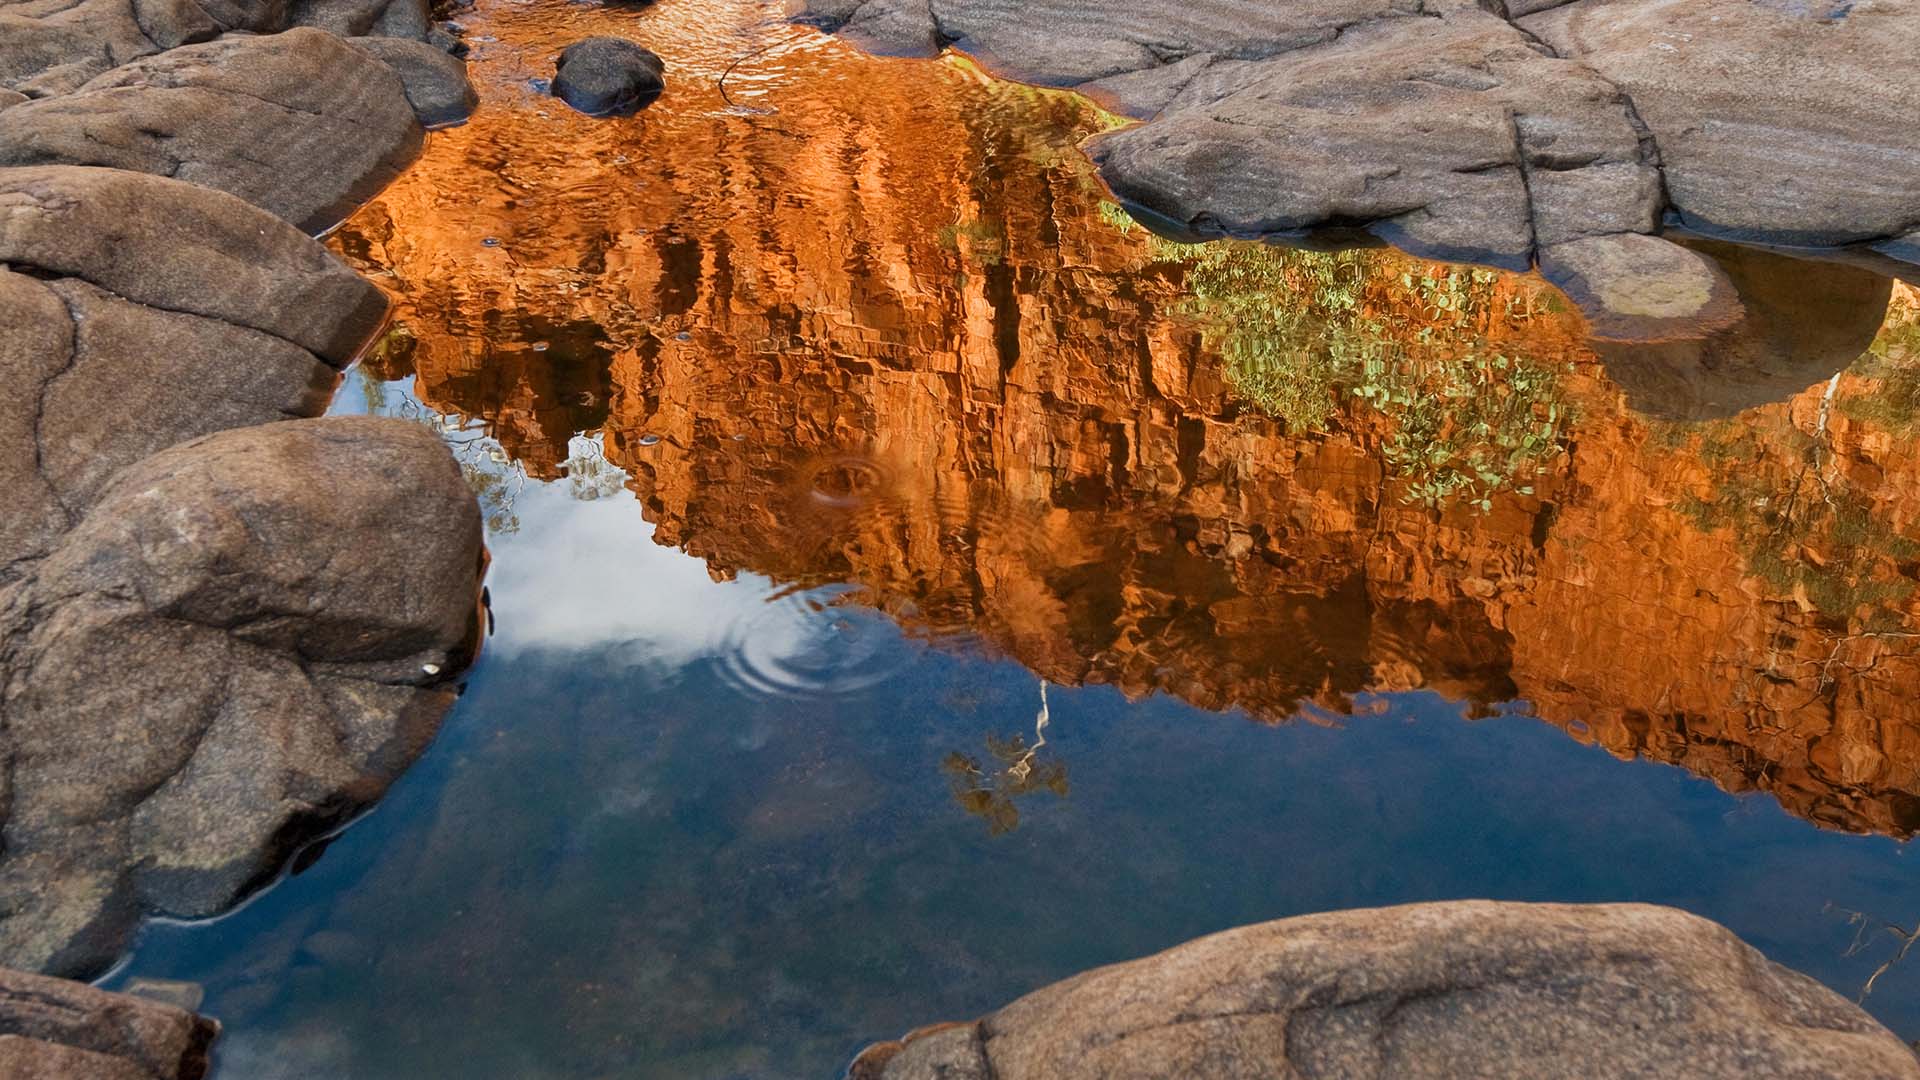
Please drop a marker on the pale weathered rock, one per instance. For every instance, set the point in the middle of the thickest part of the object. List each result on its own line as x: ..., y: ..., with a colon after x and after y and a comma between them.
x: 1439, y: 991
x: 1635, y: 287
x: 246, y: 634
x: 301, y: 124
x: 1799, y: 322
x: 1776, y: 121
x: 177, y: 247
x: 55, y: 1028
x: 607, y: 76
x: 252, y: 634
x: 436, y: 82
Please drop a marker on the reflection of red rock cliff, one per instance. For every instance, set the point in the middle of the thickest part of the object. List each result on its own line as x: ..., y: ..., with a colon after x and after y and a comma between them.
x: 893, y: 337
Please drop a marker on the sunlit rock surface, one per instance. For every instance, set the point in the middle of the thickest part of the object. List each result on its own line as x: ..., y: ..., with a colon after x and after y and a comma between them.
x: 898, y: 336
x: 1488, y: 132
x: 1425, y: 991
x: 211, y: 649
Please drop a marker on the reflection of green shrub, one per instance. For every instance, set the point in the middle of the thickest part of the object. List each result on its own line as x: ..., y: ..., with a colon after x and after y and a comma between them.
x: 1894, y: 359
x: 1468, y: 428
x: 1305, y: 336
x: 1780, y: 525
x: 986, y: 239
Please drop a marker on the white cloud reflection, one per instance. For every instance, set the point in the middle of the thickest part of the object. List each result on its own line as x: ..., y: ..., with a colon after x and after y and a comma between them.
x: 586, y: 575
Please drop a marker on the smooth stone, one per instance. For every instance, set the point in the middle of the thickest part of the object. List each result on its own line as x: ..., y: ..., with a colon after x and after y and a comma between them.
x: 12, y: 97
x: 1638, y: 288
x: 1426, y: 992
x: 436, y: 81
x: 56, y: 1028
x: 1801, y: 321
x: 177, y: 247
x: 608, y: 76
x: 301, y: 124
x: 251, y: 634
x: 142, y: 312
x: 410, y: 19
x: 54, y: 46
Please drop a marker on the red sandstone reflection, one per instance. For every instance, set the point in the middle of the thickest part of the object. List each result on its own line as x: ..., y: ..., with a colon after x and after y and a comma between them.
x: 882, y: 327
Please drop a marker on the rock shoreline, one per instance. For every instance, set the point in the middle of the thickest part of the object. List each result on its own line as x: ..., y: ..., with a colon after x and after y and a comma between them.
x: 227, y: 623
x: 1518, y: 133
x: 1440, y: 991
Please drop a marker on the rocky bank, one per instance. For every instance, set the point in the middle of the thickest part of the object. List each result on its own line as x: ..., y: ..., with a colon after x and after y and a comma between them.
x: 1439, y: 991
x: 1511, y: 132
x: 226, y: 624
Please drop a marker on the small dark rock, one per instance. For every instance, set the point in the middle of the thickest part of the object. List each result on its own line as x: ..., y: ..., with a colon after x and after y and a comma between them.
x: 608, y: 76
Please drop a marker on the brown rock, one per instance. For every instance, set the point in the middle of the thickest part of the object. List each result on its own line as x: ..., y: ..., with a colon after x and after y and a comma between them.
x: 1444, y: 990
x: 252, y: 634
x: 155, y: 312
x: 436, y: 82
x: 56, y: 1028
x: 300, y: 124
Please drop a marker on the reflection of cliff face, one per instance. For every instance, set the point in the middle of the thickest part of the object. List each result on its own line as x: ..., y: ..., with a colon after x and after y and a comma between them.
x: 881, y: 327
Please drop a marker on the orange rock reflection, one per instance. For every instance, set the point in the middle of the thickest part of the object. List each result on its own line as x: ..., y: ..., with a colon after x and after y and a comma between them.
x: 875, y: 322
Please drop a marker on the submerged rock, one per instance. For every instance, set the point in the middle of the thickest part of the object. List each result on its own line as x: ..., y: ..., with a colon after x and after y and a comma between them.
x: 608, y: 76
x: 1443, y: 990
x: 55, y: 1028
x: 1456, y: 132
x: 301, y: 124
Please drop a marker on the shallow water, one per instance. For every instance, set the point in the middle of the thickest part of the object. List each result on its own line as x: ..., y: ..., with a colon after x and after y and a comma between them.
x: 917, y: 583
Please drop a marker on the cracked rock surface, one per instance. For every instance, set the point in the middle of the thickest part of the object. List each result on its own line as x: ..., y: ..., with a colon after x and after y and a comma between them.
x: 249, y: 630
x: 1495, y: 132
x: 1425, y: 992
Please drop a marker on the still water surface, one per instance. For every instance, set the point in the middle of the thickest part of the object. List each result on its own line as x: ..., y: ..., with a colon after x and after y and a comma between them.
x: 916, y: 583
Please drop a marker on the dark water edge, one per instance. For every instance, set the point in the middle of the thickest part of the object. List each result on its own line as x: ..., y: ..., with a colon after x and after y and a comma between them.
x: 684, y: 827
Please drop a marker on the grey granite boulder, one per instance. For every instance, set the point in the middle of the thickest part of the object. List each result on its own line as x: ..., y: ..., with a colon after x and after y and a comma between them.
x: 1425, y: 992
x: 51, y: 47
x: 1776, y: 120
x: 52, y: 1028
x: 250, y: 636
x: 142, y: 312
x: 214, y: 644
x: 608, y: 76
x: 435, y: 80
x: 301, y: 124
